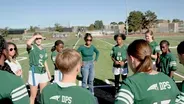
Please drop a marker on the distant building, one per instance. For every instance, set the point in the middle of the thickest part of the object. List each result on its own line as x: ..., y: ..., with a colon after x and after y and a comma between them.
x: 16, y: 31
x: 65, y: 29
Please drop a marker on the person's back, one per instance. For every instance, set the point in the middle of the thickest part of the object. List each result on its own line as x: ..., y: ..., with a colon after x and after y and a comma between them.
x: 66, y: 91
x: 61, y: 93
x: 143, y: 88
x: 12, y: 89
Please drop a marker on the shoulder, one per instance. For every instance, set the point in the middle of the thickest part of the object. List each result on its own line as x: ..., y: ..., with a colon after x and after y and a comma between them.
x: 7, y: 61
x: 12, y: 79
x: 49, y: 87
x: 83, y: 91
x: 171, y: 55
x: 81, y: 46
x: 155, y: 43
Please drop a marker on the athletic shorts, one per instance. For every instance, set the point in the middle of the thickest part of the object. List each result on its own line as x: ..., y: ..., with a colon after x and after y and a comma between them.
x: 57, y: 76
x: 36, y: 78
x: 118, y: 71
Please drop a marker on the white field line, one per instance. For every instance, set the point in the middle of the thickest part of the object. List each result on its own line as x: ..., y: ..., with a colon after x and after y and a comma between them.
x: 76, y: 43
x: 172, y: 47
x: 24, y: 45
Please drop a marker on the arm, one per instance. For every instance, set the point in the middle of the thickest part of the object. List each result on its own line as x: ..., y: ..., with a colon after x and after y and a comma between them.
x: 154, y: 56
x: 172, y: 66
x: 18, y: 72
x: 125, y: 95
x: 158, y: 61
x: 47, y: 70
x: 171, y: 74
x: 20, y: 96
x: 97, y: 53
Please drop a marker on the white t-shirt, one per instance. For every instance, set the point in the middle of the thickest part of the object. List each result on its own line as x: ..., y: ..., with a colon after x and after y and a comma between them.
x: 15, y: 66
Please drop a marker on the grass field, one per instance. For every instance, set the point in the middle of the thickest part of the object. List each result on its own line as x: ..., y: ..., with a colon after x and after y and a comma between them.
x: 103, y: 68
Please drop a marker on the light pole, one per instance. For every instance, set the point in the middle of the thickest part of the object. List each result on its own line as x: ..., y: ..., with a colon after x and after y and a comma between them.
x: 126, y: 17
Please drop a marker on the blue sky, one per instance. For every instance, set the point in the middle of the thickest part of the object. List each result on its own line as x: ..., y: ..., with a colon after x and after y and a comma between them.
x: 23, y: 13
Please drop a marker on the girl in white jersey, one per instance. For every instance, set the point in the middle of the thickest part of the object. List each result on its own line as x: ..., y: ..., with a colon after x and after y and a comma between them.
x: 12, y: 61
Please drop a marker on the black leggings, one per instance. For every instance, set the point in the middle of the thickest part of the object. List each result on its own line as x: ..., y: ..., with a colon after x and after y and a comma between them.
x: 117, y: 81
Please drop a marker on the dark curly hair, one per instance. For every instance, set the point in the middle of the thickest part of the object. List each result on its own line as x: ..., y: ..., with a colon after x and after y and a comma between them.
x: 123, y: 36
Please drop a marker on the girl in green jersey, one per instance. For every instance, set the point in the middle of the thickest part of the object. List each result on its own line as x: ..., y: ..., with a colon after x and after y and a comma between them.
x: 57, y: 48
x: 39, y: 73
x: 154, y: 46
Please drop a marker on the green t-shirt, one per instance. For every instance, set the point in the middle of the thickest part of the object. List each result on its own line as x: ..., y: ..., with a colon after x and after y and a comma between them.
x: 37, y: 58
x: 53, y: 57
x: 167, y: 63
x: 62, y: 93
x: 119, y: 54
x: 155, y: 48
x: 12, y: 88
x: 143, y: 88
x: 88, y: 52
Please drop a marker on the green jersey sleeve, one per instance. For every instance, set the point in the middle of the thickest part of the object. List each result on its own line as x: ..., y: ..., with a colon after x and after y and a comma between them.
x: 172, y: 63
x: 53, y: 57
x: 157, y: 48
x: 31, y: 49
x: 125, y: 95
x: 18, y: 94
x: 180, y: 98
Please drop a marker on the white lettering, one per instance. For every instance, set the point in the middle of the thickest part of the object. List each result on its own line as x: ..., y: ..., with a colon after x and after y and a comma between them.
x: 164, y: 85
x: 66, y: 99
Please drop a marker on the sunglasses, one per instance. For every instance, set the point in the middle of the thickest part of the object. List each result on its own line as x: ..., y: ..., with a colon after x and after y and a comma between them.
x: 89, y: 40
x: 38, y: 38
x: 11, y: 49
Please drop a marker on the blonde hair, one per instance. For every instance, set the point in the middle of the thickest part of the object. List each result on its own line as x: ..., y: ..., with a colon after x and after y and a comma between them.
x: 67, y: 60
x: 37, y: 33
x: 150, y: 33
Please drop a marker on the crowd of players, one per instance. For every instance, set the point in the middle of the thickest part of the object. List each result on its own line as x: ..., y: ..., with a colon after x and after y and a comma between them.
x: 153, y: 66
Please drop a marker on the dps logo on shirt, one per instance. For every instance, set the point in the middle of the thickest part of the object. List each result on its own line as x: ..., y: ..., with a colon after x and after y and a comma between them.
x: 64, y: 99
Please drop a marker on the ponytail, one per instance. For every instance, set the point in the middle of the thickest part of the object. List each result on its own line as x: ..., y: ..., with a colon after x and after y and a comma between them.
x: 141, y: 50
x: 53, y: 48
x: 144, y: 66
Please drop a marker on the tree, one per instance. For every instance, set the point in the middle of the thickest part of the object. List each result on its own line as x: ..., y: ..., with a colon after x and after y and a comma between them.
x: 91, y: 27
x: 32, y: 29
x: 168, y: 21
x: 4, y: 32
x: 135, y: 21
x: 176, y: 20
x: 113, y: 23
x: 58, y: 27
x: 149, y: 19
x: 120, y: 23
x: 98, y: 24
